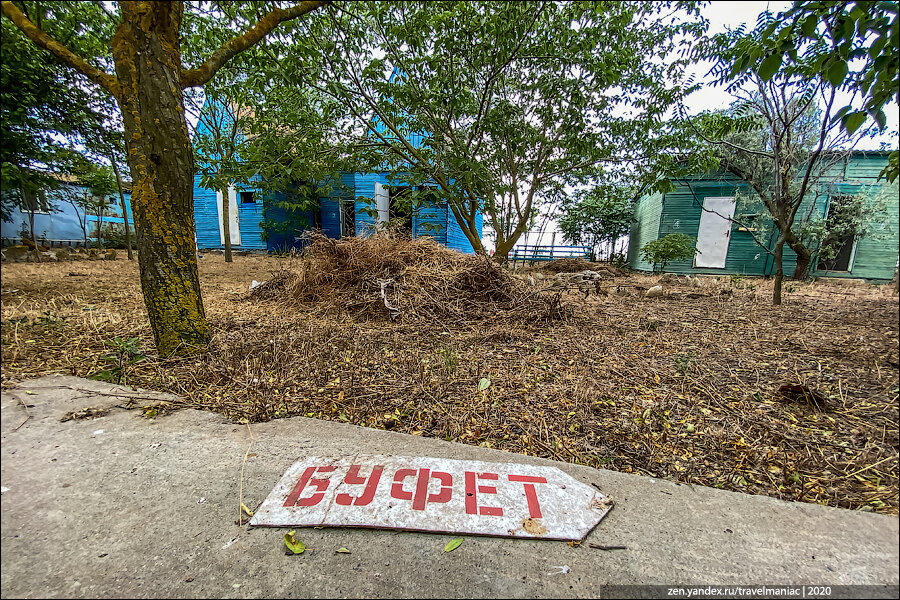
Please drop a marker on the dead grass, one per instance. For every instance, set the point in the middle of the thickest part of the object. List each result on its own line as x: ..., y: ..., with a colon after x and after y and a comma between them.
x: 418, y: 280
x: 684, y: 388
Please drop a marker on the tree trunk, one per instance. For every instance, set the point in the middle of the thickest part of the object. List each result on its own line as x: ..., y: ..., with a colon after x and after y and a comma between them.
x: 226, y: 223
x: 804, y: 259
x: 779, y: 270
x: 503, y: 246
x: 146, y: 49
x: 100, y: 208
x: 501, y: 250
x: 115, y: 167
x: 31, y: 227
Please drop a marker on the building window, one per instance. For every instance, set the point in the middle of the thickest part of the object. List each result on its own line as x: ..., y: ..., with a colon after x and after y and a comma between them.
x: 34, y: 202
x: 248, y: 198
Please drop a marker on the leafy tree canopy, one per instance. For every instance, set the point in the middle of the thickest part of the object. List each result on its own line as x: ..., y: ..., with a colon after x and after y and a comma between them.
x: 847, y: 45
x: 600, y: 215
x: 497, y: 106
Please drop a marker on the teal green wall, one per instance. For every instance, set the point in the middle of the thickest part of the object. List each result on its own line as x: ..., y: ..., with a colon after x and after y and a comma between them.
x: 680, y: 211
x: 876, y: 255
x: 645, y: 228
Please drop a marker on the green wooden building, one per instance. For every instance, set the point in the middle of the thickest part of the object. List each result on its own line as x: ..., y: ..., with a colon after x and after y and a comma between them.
x: 705, y: 208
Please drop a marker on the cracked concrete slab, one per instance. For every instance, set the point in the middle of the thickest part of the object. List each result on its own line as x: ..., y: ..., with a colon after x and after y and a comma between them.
x: 122, y: 505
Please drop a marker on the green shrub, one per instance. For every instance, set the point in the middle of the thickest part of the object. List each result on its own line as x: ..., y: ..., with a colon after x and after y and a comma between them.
x: 675, y: 246
x: 113, y: 238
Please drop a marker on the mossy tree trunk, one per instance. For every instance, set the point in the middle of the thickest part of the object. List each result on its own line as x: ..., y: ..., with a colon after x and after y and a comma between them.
x: 148, y: 88
x: 146, y: 50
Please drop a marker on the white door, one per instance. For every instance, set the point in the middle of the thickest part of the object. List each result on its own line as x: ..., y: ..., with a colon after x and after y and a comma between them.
x: 234, y: 222
x: 382, y: 202
x: 715, y: 232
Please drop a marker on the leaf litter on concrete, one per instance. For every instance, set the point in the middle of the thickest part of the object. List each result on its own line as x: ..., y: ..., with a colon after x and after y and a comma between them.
x: 709, y: 386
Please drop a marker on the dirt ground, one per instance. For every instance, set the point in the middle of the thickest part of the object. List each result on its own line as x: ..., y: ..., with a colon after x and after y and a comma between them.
x: 710, y: 386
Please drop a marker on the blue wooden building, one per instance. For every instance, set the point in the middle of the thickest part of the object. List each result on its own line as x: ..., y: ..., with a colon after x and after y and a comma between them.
x: 355, y: 204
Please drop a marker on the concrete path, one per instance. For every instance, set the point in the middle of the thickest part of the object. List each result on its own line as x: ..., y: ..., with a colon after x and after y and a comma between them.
x: 112, y: 507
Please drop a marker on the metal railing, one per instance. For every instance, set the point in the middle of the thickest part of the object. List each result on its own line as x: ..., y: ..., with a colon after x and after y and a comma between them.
x: 535, y: 253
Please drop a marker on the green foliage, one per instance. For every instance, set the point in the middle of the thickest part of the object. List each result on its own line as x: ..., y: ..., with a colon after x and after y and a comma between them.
x: 784, y: 121
x: 450, y: 357
x: 662, y: 251
x: 125, y: 353
x: 683, y: 363
x: 515, y: 101
x: 114, y: 238
x: 598, y: 216
x: 49, y: 114
x: 864, y: 214
x: 851, y: 46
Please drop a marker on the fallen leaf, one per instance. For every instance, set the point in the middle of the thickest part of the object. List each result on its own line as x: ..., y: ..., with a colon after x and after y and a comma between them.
x: 342, y: 550
x: 484, y: 384
x: 30, y: 393
x: 453, y: 544
x: 246, y: 510
x: 293, y: 545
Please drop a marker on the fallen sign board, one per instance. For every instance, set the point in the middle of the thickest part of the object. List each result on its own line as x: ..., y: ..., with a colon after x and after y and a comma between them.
x: 433, y: 494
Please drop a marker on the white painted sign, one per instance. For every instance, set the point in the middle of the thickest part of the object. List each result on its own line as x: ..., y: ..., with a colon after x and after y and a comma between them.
x: 715, y: 232
x: 433, y: 494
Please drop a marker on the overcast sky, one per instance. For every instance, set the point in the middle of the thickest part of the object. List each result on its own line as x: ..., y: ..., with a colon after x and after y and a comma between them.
x: 723, y: 15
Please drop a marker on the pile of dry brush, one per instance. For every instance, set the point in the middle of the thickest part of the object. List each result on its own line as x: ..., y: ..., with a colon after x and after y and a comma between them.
x: 391, y: 276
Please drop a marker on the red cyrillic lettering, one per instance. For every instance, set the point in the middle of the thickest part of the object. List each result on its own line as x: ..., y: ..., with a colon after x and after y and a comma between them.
x: 397, y: 490
x: 472, y: 491
x: 321, y: 485
x: 421, y: 496
x: 353, y: 478
x: 534, y: 507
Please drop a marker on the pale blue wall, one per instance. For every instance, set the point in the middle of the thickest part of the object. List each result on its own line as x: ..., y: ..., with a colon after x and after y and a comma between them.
x: 62, y: 224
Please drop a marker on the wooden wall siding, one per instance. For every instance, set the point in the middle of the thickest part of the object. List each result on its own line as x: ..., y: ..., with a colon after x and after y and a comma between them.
x: 206, y: 217
x: 876, y: 255
x: 331, y: 217
x: 282, y: 242
x: 251, y: 218
x: 62, y: 224
x: 456, y: 239
x: 431, y: 221
x: 364, y: 185
x: 645, y: 228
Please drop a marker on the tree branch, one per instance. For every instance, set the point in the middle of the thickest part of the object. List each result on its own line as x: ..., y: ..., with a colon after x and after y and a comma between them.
x: 235, y: 46
x: 723, y: 142
x: 69, y: 58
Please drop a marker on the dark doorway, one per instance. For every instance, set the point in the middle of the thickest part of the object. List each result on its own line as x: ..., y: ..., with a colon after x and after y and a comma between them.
x: 400, y: 208
x: 317, y: 216
x: 348, y: 218
x: 839, y: 235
